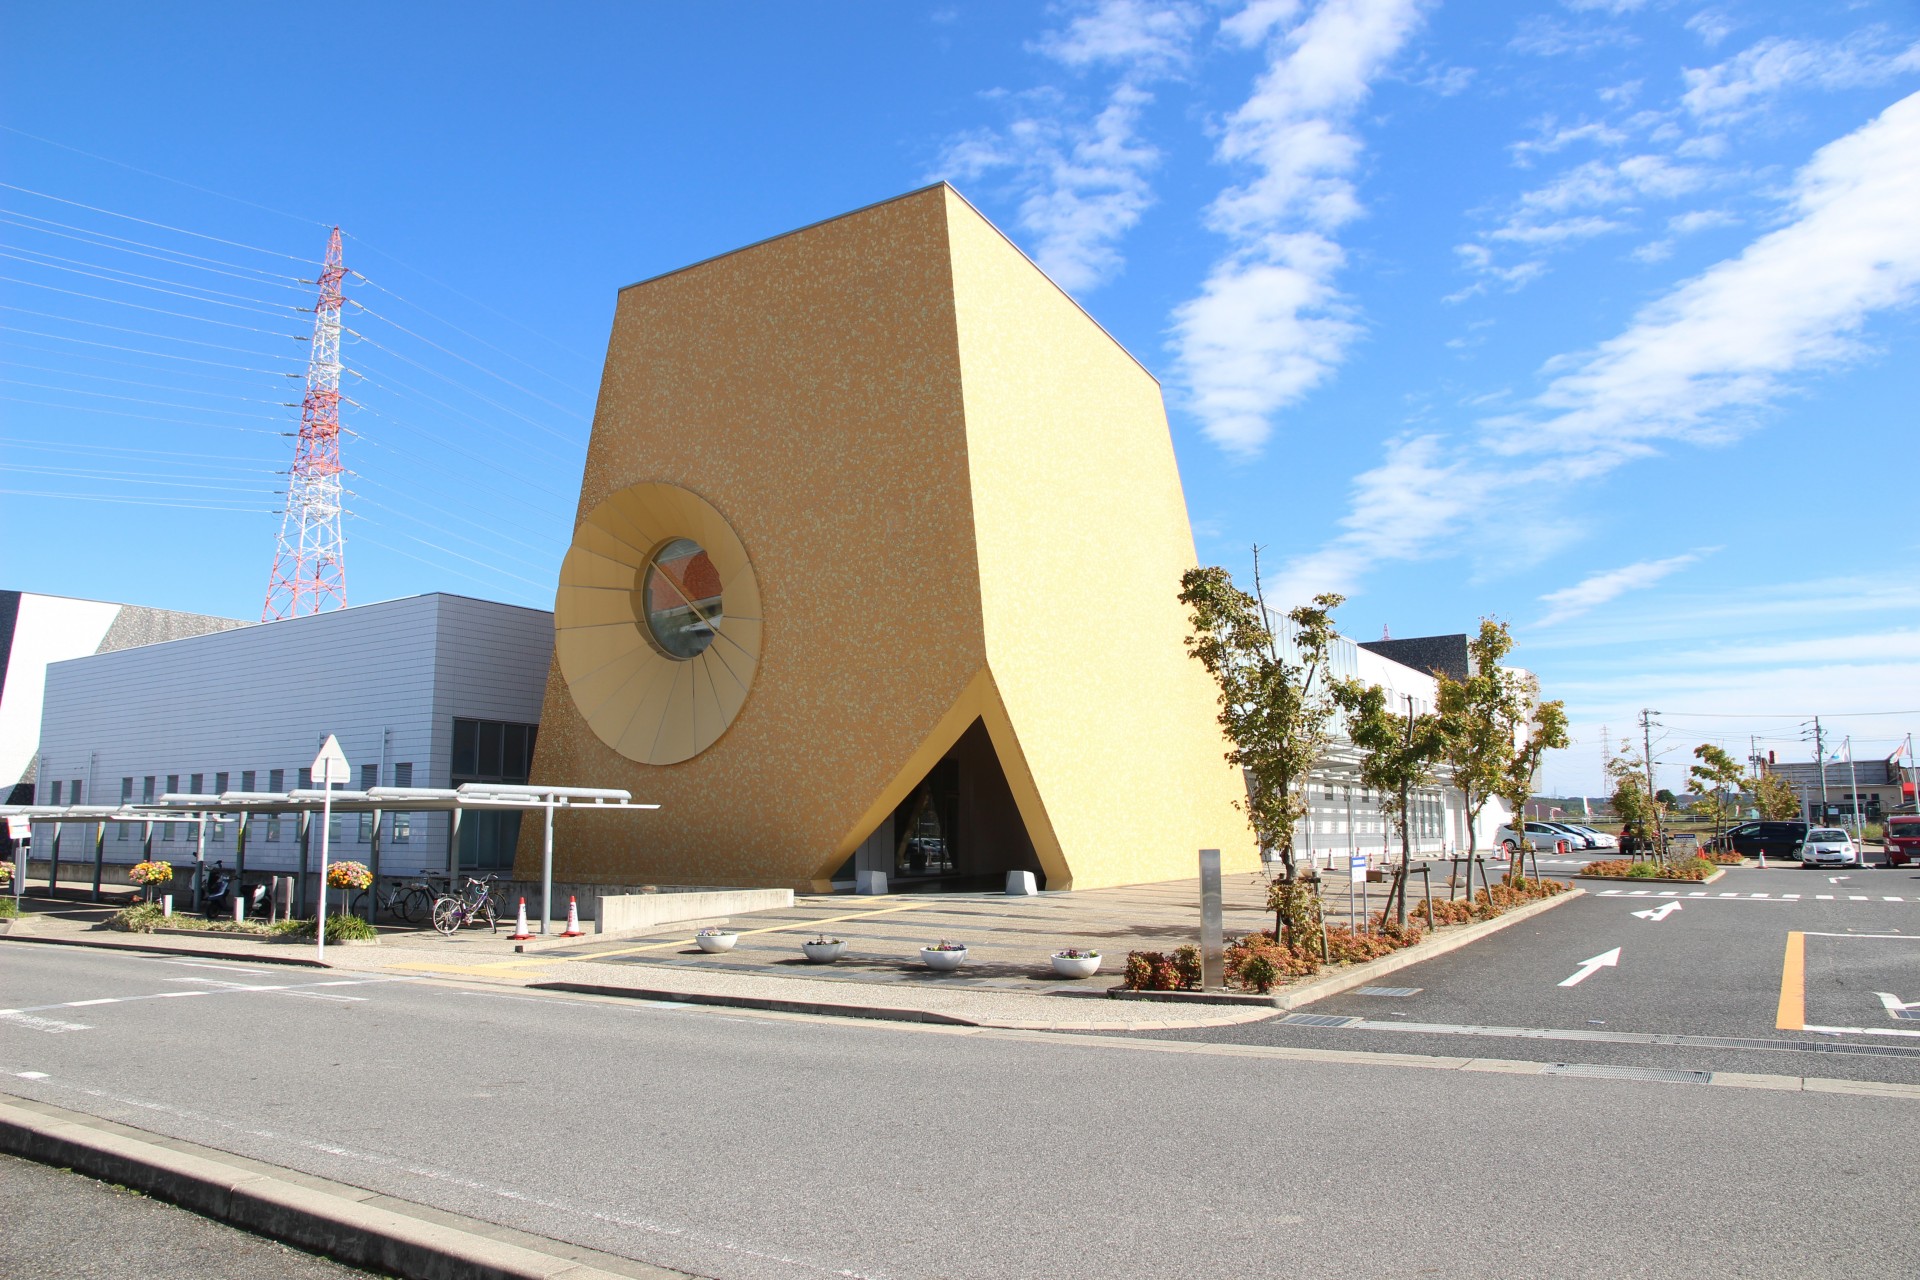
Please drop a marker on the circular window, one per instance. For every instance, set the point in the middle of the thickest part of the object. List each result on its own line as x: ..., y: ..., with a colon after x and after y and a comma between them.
x: 655, y: 665
x: 680, y: 598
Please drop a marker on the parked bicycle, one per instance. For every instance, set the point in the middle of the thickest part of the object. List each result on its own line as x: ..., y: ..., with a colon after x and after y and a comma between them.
x: 472, y: 905
x: 401, y: 898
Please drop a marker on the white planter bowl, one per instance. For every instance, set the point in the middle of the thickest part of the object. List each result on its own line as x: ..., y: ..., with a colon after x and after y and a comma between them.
x: 823, y: 952
x: 716, y: 941
x: 1076, y: 966
x: 943, y: 961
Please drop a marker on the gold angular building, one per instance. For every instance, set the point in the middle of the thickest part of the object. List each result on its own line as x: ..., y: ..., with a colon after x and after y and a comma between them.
x: 875, y: 571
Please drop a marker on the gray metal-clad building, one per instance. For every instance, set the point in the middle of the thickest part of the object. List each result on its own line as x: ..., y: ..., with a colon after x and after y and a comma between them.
x: 431, y: 690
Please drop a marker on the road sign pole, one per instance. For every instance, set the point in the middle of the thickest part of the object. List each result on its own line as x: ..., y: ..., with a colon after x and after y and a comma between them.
x: 1212, y: 941
x: 329, y: 765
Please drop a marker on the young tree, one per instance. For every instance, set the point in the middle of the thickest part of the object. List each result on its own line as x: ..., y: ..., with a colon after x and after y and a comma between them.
x: 1474, y: 719
x: 1715, y: 774
x: 1774, y: 797
x: 1274, y: 711
x: 1536, y: 728
x: 1631, y: 802
x: 1399, y: 754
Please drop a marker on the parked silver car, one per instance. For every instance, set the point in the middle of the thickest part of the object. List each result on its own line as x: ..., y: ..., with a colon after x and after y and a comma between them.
x: 1598, y: 839
x: 1829, y: 847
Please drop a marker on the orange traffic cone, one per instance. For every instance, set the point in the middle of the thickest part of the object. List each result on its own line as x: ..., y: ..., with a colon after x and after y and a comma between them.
x: 521, y: 933
x: 573, y: 920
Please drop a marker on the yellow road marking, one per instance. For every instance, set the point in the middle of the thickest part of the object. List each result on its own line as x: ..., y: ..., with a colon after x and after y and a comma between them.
x: 1793, y: 985
x: 778, y: 928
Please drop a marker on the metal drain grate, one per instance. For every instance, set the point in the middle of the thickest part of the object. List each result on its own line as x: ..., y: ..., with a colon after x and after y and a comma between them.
x: 1627, y: 1073
x: 1388, y: 991
x: 1318, y: 1020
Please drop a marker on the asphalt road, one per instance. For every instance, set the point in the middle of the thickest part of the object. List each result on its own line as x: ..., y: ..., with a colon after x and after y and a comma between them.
x: 1696, y: 986
x: 736, y: 1145
x: 56, y: 1223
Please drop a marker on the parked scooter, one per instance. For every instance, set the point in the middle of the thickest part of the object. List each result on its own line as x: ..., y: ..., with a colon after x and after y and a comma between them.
x: 221, y: 886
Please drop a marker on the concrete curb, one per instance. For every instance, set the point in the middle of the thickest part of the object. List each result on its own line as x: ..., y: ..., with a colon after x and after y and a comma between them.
x: 1363, y: 974
x: 348, y: 1224
x: 198, y: 953
x: 772, y: 1004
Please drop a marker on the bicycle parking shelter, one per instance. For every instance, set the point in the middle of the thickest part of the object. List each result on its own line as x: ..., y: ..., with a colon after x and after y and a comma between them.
x: 242, y: 806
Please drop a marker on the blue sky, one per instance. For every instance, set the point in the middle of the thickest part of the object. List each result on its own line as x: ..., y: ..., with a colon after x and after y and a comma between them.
x: 1592, y: 315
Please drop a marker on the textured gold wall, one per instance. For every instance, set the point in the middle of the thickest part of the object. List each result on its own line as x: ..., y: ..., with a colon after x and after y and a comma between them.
x: 960, y: 500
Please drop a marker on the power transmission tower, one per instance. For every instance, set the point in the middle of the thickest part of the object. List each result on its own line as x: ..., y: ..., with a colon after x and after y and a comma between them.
x: 310, y: 564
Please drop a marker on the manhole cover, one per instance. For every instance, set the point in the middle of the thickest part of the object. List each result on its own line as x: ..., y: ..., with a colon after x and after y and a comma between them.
x: 1318, y: 1020
x: 1627, y: 1073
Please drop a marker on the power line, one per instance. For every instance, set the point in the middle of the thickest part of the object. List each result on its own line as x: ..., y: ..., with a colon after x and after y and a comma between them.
x: 122, y: 302
x: 95, y: 239
x: 252, y: 248
x: 191, y: 186
x: 146, y: 333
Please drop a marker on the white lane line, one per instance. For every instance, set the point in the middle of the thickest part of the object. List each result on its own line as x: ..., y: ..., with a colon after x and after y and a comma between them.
x: 31, y: 1075
x: 1756, y: 895
x: 221, y: 989
x: 1823, y: 897
x: 22, y: 1018
x: 1863, y: 1031
x: 1890, y: 899
x: 1856, y: 897
x: 1698, y: 893
x: 1791, y: 897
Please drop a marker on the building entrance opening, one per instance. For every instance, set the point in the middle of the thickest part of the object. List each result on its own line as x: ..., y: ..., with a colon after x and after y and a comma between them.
x: 958, y: 830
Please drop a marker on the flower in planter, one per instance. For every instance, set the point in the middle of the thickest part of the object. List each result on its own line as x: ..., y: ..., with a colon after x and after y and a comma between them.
x: 944, y: 945
x: 711, y: 932
x: 6, y: 873
x: 150, y: 873
x: 822, y: 940
x: 348, y: 875
x: 1073, y: 953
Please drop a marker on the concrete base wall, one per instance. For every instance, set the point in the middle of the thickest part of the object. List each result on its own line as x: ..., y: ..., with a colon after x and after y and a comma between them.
x: 635, y: 912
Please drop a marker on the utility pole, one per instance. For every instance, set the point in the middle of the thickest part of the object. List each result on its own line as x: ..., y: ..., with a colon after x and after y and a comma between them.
x: 1820, y: 756
x: 1606, y: 758
x: 1853, y: 804
x: 1406, y: 865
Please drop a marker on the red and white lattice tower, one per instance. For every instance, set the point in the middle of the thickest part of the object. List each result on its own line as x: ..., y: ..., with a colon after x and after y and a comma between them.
x: 310, y: 564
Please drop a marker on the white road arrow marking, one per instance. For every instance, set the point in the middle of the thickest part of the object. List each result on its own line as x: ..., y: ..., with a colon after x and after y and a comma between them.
x: 1895, y: 1009
x: 1837, y: 879
x: 1588, y: 968
x: 1660, y: 912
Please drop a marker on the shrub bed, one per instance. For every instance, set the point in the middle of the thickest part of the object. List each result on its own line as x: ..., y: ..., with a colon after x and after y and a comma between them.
x: 1622, y: 869
x: 145, y: 917
x: 340, y: 928
x: 1258, y: 963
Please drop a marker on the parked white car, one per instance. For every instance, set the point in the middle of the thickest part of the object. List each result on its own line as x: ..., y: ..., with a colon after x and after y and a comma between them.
x: 1578, y: 837
x: 1599, y: 839
x: 1829, y: 847
x: 1541, y: 836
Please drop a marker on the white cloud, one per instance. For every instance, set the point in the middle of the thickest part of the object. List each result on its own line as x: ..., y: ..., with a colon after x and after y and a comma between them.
x: 1083, y: 182
x: 1742, y: 83
x: 1269, y: 324
x: 1600, y: 588
x: 1711, y: 25
x: 1132, y: 34
x: 1695, y: 366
